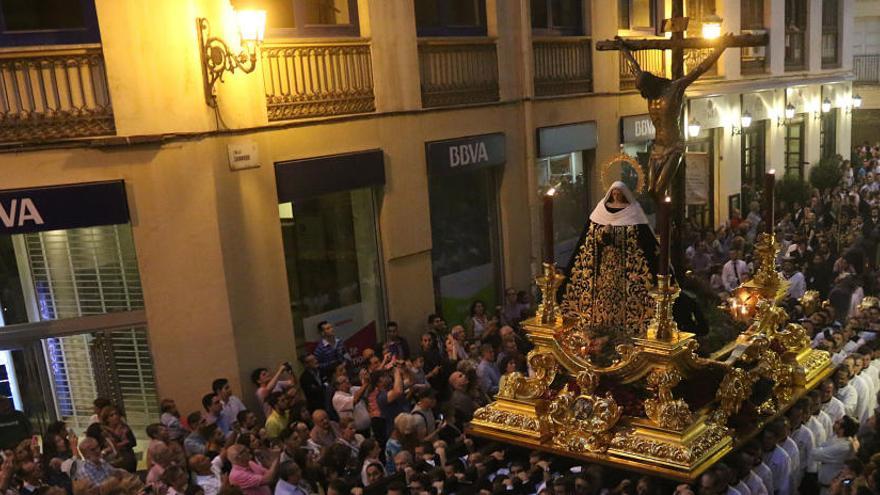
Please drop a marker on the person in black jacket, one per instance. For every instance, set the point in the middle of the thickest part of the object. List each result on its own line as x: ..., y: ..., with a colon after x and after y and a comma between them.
x: 312, y: 384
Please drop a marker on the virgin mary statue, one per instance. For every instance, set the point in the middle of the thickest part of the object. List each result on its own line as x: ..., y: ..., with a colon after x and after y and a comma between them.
x: 610, y: 277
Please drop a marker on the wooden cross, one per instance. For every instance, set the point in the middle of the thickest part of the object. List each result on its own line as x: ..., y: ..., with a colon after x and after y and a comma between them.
x: 666, y: 100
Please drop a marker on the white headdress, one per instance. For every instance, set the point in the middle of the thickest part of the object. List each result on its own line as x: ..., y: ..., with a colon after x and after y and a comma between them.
x: 631, y: 215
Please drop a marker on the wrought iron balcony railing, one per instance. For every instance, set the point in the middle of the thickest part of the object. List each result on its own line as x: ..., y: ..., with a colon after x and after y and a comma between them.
x: 867, y: 68
x: 317, y: 79
x: 458, y: 72
x: 563, y: 66
x: 653, y: 61
x: 54, y: 94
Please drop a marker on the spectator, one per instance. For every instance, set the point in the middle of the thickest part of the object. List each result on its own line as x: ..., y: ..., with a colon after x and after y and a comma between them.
x: 330, y: 350
x: 230, y: 404
x: 247, y: 474
x: 312, y: 383
x: 487, y: 373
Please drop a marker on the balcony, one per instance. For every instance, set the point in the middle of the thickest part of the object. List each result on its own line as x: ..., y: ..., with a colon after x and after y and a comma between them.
x: 867, y: 68
x: 317, y: 79
x: 563, y: 66
x: 54, y: 94
x: 693, y: 58
x: 653, y: 61
x: 458, y: 71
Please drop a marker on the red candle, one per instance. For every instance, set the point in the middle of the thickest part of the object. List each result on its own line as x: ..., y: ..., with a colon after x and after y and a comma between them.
x: 769, y: 200
x: 548, y: 226
x: 663, y: 221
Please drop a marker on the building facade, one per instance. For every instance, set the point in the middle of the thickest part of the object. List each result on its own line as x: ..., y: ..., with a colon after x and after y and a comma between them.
x: 383, y: 161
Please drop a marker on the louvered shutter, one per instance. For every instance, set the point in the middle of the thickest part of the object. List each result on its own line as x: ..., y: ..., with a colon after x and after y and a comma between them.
x: 89, y: 271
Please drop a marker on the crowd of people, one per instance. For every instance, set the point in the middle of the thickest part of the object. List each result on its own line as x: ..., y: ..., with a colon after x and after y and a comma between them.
x: 392, y: 419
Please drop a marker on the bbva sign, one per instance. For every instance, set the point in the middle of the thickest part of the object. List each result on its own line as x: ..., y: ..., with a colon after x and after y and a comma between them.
x: 17, y: 212
x: 63, y: 207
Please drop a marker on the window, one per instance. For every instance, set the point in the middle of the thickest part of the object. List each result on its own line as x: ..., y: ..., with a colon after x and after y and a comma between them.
x: 703, y: 215
x: 828, y: 134
x: 48, y: 22
x: 571, y: 203
x: 752, y: 14
x: 451, y: 17
x: 331, y: 248
x: 794, y: 148
x: 795, y: 34
x: 636, y: 14
x: 317, y: 18
x: 753, y: 165
x: 830, y: 37
x: 557, y: 17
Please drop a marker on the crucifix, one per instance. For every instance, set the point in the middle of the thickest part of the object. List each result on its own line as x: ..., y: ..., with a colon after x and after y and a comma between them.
x: 666, y: 96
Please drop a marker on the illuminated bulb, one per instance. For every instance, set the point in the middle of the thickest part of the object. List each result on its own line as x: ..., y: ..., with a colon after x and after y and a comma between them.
x: 251, y: 25
x: 745, y: 120
x: 711, y: 27
x: 826, y: 105
x: 694, y: 128
x: 551, y: 191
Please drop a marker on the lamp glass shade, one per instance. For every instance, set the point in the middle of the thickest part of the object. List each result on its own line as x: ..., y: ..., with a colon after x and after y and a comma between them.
x: 826, y: 105
x: 789, y: 111
x: 856, y: 101
x: 711, y: 27
x: 745, y: 120
x: 251, y: 25
x: 694, y: 128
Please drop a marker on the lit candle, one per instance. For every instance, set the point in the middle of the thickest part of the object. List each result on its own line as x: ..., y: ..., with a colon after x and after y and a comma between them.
x: 769, y: 200
x: 548, y: 226
x: 663, y: 227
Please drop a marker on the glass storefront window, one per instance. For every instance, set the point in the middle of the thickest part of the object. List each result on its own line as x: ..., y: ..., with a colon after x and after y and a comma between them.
x: 570, y: 206
x: 63, y: 275
x: 332, y: 252
x: 464, y: 228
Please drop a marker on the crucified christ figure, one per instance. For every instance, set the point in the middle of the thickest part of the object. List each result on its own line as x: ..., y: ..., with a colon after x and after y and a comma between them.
x: 665, y: 104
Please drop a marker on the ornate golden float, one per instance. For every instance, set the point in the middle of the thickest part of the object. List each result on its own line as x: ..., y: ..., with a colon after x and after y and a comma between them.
x: 692, y: 410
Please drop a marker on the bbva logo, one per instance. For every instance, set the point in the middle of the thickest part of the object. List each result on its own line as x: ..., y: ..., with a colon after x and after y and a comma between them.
x: 467, y: 154
x: 16, y: 212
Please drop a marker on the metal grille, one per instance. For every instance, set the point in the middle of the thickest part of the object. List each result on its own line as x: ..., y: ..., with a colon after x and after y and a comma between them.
x: 653, y: 61
x: 316, y: 80
x: 867, y: 68
x: 53, y: 95
x: 90, y: 271
x: 455, y: 72
x: 562, y: 66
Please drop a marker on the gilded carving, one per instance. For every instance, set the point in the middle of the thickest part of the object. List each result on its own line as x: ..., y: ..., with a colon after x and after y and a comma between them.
x: 582, y: 423
x: 793, y: 338
x: 664, y: 409
x: 506, y: 419
x: 735, y: 388
x: 518, y: 386
x: 629, y: 441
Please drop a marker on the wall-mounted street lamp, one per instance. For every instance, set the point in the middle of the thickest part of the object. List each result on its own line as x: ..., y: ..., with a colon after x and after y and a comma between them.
x: 787, y: 115
x: 745, y: 121
x: 217, y: 57
x: 694, y: 128
x: 826, y: 105
x: 856, y: 101
x: 711, y: 26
